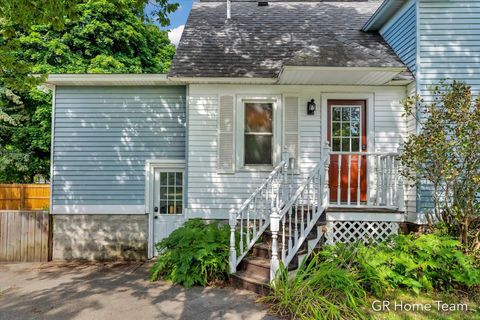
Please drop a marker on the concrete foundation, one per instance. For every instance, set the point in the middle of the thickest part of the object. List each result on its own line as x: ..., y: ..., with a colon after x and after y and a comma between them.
x: 100, y: 237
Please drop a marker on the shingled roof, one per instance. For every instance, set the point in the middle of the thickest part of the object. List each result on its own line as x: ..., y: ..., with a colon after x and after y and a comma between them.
x: 258, y: 40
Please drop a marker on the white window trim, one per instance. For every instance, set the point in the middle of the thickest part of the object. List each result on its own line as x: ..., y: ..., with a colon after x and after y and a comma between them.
x: 276, y: 100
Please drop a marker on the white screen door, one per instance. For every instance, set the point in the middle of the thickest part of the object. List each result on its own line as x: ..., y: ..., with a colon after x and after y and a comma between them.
x: 167, y: 201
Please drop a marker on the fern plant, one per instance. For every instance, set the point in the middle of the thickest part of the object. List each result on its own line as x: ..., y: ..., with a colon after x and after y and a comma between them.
x: 195, y: 254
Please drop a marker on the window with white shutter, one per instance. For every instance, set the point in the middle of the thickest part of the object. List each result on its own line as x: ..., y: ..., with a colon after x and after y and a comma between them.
x: 226, y: 149
x: 291, y: 128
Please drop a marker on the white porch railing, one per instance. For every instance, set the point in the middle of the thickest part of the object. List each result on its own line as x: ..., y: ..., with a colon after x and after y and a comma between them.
x: 253, y: 216
x: 381, y: 178
x: 300, y: 214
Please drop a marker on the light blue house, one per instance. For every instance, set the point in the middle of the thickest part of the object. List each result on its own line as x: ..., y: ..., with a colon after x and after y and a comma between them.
x: 283, y: 117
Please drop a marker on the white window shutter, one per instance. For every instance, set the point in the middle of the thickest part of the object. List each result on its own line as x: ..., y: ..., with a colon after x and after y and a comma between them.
x: 291, y: 128
x: 226, y: 150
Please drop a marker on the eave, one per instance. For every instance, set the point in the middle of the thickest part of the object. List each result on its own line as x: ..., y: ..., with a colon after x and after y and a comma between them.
x: 295, y: 75
x: 386, y: 10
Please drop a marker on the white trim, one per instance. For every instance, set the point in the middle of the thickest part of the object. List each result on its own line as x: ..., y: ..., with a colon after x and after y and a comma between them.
x: 315, y: 68
x: 239, y: 125
x: 52, y: 139
x: 98, y: 209
x: 364, y: 216
x: 224, y: 80
x: 150, y: 166
x: 107, y: 79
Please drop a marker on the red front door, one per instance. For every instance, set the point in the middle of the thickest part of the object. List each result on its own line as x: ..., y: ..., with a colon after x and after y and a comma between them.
x: 347, y: 133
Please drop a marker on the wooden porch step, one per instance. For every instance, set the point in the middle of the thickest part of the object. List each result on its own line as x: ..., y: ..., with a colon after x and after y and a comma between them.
x: 250, y: 282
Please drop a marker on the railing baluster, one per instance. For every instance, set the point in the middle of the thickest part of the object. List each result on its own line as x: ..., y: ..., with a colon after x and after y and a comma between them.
x: 339, y: 191
x: 349, y: 178
x: 290, y: 245
x: 378, y: 179
x: 359, y: 181
x: 241, y: 232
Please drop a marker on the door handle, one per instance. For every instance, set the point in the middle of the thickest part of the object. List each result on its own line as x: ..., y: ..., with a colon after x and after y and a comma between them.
x: 155, y: 209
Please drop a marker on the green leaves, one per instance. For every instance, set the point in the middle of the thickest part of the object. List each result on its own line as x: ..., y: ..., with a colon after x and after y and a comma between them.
x: 95, y: 36
x: 446, y: 155
x: 195, y: 254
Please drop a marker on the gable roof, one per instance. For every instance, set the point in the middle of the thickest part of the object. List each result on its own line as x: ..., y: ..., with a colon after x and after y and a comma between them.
x: 259, y: 40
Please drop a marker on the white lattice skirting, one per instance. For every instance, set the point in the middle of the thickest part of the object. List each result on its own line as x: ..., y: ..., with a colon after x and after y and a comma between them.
x: 366, y: 231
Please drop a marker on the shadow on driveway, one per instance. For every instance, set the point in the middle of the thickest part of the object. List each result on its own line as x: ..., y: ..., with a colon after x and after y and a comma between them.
x: 112, y: 291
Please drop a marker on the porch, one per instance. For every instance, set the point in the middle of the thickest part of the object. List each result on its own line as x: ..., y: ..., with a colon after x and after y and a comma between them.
x: 358, y: 198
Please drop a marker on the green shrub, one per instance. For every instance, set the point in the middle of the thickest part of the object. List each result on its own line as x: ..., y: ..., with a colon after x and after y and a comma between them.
x: 418, y: 263
x: 195, y: 254
x: 317, y: 291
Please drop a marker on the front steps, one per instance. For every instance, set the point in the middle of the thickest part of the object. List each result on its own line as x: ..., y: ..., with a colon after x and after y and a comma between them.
x: 254, y: 271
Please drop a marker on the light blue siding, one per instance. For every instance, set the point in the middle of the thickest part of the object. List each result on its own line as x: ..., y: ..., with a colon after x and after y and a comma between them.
x: 103, y: 135
x: 449, y: 48
x: 401, y: 33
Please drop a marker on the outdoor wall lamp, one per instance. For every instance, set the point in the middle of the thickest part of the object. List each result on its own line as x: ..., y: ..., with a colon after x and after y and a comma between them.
x: 311, y: 106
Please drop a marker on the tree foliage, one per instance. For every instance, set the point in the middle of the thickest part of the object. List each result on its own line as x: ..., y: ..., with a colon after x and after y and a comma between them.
x: 95, y: 36
x: 446, y: 155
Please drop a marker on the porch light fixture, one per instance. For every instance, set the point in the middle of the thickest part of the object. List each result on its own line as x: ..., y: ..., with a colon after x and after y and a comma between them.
x: 311, y: 107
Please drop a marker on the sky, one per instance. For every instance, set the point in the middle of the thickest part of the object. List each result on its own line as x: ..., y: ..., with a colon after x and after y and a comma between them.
x: 177, y: 19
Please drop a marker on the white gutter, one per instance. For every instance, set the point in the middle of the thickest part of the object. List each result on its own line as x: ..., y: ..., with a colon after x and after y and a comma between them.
x: 108, y: 79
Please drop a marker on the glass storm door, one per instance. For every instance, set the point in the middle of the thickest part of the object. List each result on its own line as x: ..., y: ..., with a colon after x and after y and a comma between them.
x: 168, y: 204
x: 347, y: 134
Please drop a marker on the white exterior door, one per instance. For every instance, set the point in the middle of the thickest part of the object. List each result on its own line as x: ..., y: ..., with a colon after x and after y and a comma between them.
x: 167, y: 200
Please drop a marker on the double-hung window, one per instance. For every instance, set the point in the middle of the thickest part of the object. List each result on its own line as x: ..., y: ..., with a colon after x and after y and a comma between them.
x: 258, y: 134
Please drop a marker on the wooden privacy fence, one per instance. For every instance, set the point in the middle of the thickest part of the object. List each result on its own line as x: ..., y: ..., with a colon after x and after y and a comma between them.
x: 24, y: 196
x: 25, y: 236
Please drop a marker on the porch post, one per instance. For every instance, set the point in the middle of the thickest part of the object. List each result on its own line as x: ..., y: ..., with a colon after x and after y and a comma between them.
x: 400, y: 185
x: 274, y: 227
x: 285, y: 187
x: 326, y: 166
x: 233, y: 252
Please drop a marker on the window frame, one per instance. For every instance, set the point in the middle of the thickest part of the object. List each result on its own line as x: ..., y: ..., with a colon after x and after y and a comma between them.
x: 275, y: 100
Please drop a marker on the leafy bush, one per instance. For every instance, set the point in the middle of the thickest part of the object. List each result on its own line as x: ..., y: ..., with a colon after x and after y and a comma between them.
x: 317, y: 291
x: 418, y: 263
x: 335, y: 282
x: 195, y: 254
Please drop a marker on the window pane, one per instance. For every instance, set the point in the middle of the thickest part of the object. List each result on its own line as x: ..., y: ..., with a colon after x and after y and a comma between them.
x: 355, y: 144
x: 171, y: 178
x: 179, y: 179
x: 345, y: 129
x: 336, y: 129
x: 355, y: 129
x: 163, y: 193
x: 336, y: 144
x: 171, y: 207
x: 346, y: 144
x: 179, y: 207
x: 355, y: 114
x: 163, y: 207
x: 163, y: 178
x: 258, y: 117
x: 336, y: 113
x: 258, y: 149
x: 346, y: 114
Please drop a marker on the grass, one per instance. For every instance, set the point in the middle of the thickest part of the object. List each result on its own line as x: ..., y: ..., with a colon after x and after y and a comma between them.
x: 472, y: 301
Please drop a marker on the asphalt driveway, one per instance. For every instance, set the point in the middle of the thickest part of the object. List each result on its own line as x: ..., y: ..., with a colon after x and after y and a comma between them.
x: 112, y: 291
